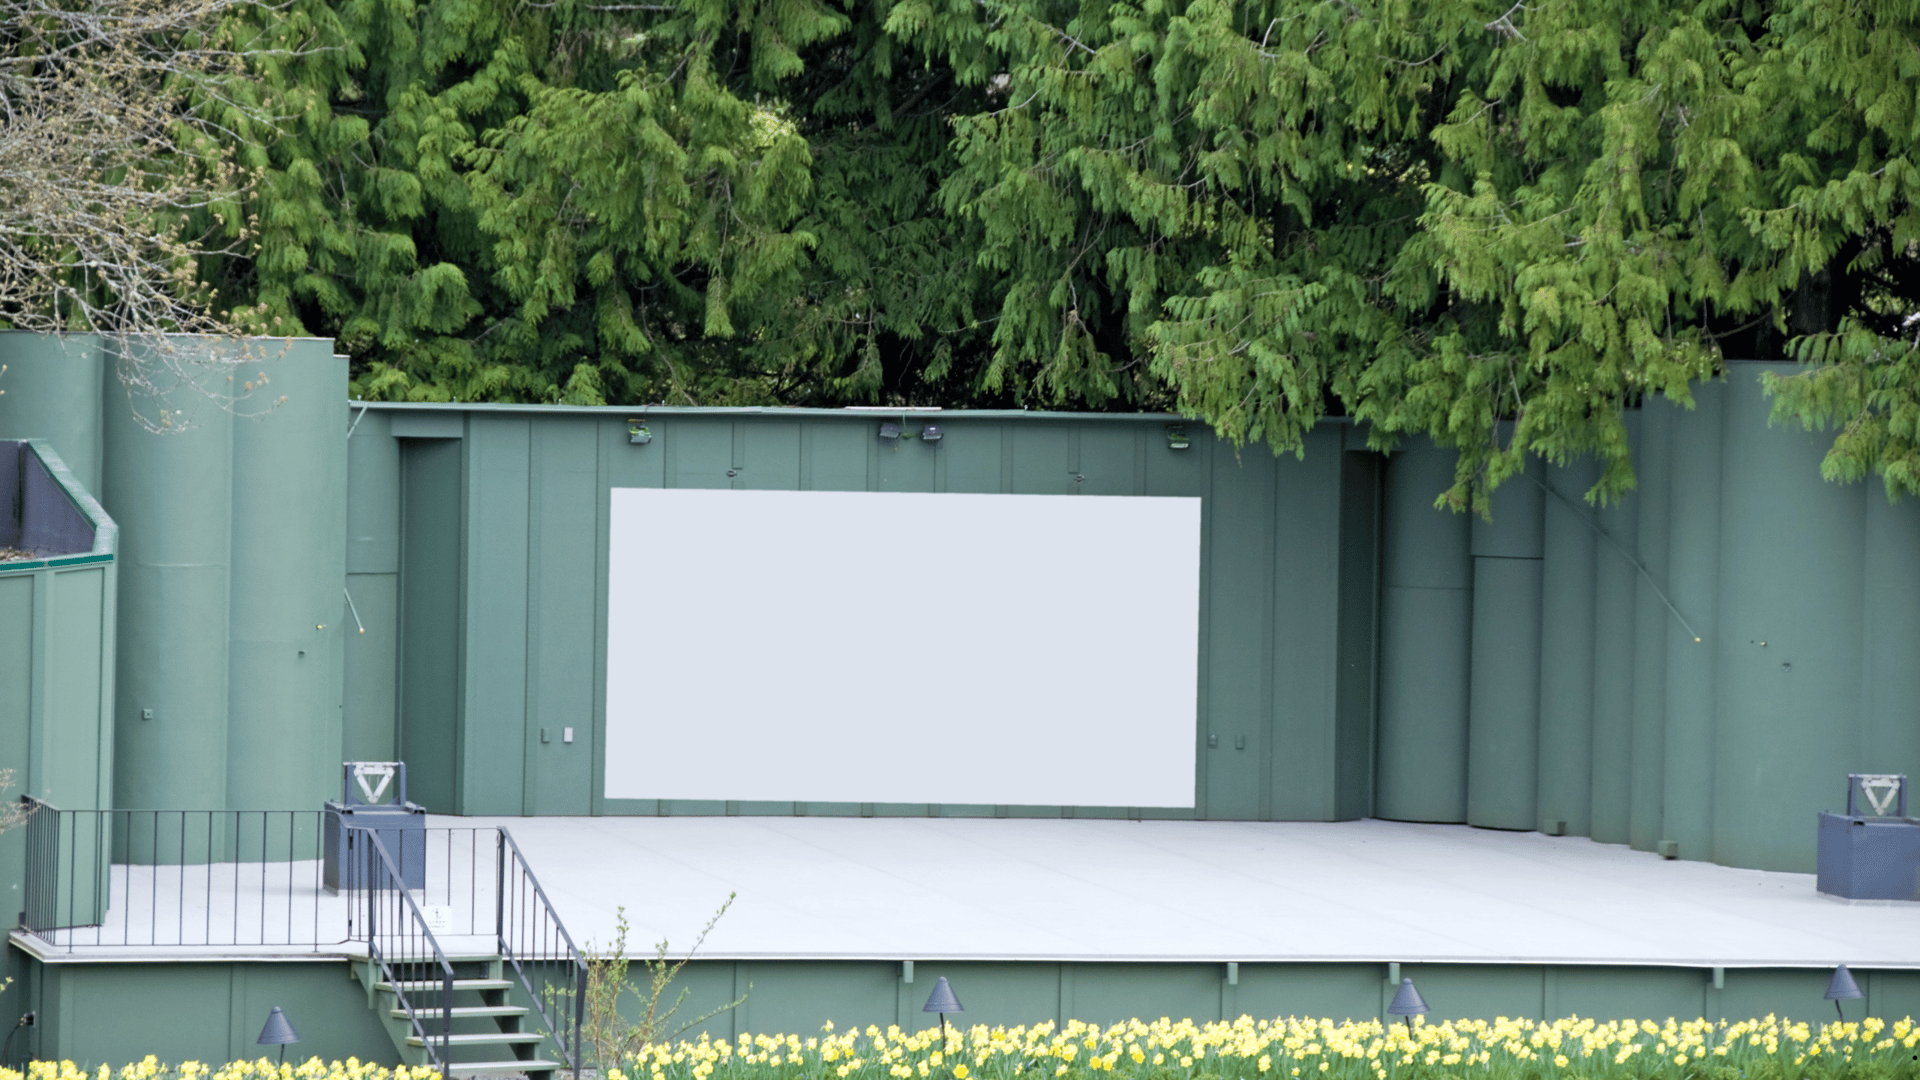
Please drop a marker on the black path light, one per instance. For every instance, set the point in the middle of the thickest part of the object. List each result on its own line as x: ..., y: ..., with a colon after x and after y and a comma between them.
x: 1842, y: 988
x: 943, y: 1002
x: 1407, y: 1002
x: 278, y: 1032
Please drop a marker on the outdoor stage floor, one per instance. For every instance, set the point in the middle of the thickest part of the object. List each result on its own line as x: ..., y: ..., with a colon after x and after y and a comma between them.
x: 818, y: 888
x: 1026, y: 889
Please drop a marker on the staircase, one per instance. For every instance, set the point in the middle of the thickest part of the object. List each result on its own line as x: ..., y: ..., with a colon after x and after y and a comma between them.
x: 515, y: 1010
x: 489, y: 1032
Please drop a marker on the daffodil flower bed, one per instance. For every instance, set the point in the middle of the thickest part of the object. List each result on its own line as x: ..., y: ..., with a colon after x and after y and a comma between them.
x: 1246, y: 1049
x: 151, y: 1069
x: 1293, y: 1049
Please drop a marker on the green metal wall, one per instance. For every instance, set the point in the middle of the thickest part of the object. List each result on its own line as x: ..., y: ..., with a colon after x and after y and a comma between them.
x: 482, y: 530
x: 106, y: 1014
x: 1533, y: 674
x: 231, y: 559
x: 797, y: 996
x: 56, y: 690
x: 97, y: 1014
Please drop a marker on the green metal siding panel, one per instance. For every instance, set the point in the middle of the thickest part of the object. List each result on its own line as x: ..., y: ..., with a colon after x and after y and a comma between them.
x: 1791, y: 576
x: 1892, y: 993
x: 905, y: 464
x: 173, y: 496
x: 373, y: 480
x: 784, y: 995
x: 834, y: 456
x: 1464, y: 992
x: 699, y: 454
x: 1039, y: 460
x: 1001, y: 995
x: 429, y: 619
x: 1297, y: 751
x: 287, y: 569
x: 767, y: 457
x: 1334, y: 991
x: 1238, y: 584
x: 1615, y: 583
x: 564, y: 497
x: 212, y: 1012
x: 494, y: 621
x: 1105, y: 993
x: 1503, y: 713
x: 1566, y: 647
x: 1358, y: 630
x: 1795, y: 994
x: 1629, y: 993
x: 1889, y: 734
x: 1110, y: 460
x: 1426, y: 614
x: 1503, y: 749
x: 1692, y: 584
x: 369, y: 721
x: 1645, y: 814
x: 67, y: 753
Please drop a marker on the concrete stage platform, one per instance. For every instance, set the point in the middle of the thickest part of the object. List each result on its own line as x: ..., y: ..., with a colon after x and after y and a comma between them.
x: 1103, y: 890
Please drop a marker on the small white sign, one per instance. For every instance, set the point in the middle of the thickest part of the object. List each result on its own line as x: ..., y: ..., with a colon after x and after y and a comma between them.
x: 439, y: 918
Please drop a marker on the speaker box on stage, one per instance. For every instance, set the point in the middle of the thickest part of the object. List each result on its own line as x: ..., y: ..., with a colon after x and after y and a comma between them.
x: 1871, y: 852
x: 374, y: 803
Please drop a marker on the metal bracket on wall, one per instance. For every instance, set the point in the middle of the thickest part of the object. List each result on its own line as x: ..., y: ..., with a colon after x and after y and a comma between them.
x: 1624, y: 553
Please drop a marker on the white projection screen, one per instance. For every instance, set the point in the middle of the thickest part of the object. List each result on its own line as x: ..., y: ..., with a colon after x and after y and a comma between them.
x: 911, y: 648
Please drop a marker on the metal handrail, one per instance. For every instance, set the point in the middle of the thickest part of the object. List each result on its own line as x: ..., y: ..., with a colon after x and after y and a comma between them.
x: 43, y: 856
x: 391, y: 881
x: 573, y: 959
x: 164, y: 878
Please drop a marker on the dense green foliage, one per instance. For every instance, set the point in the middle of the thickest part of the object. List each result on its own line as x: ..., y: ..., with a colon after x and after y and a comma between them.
x: 1501, y: 226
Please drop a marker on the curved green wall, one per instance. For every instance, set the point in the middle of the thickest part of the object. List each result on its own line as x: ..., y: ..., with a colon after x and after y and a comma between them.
x: 1804, y: 595
x: 1426, y: 619
x: 173, y: 494
x: 232, y: 555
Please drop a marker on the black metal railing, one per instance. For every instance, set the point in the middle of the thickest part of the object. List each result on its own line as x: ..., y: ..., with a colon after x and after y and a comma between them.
x: 402, y: 947
x: 533, y: 940
x: 178, y: 877
x: 235, y: 878
x: 257, y: 879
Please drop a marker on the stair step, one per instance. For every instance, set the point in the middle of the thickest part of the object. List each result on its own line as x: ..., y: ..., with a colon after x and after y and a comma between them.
x: 479, y: 1039
x: 430, y: 985
x: 475, y: 1068
x: 464, y: 1010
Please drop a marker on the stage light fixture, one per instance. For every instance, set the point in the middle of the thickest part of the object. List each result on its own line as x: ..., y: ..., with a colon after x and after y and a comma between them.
x: 889, y: 432
x: 1842, y: 988
x: 278, y: 1032
x: 931, y: 433
x: 1407, y: 1003
x: 943, y: 1002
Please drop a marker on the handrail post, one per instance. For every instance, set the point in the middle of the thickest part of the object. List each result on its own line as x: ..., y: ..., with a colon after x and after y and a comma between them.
x: 500, y: 888
x: 580, y: 978
x: 563, y: 1026
x: 446, y: 1020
